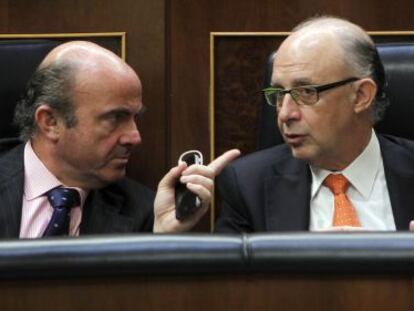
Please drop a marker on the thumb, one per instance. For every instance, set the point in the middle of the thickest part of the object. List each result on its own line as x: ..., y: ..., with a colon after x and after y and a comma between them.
x: 171, y: 177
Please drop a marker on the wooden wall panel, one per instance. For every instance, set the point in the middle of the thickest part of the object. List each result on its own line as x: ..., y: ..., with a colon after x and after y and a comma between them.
x: 4, y: 14
x: 143, y: 21
x: 238, y: 79
x: 213, y: 293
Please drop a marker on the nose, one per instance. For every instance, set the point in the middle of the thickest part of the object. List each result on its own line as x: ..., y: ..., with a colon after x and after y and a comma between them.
x: 131, y: 136
x: 289, y: 110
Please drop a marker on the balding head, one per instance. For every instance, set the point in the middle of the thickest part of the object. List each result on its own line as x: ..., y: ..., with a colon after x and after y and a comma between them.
x: 85, y: 55
x: 325, y: 77
x: 355, y: 49
x: 79, y: 114
x: 54, y: 80
x: 333, y: 25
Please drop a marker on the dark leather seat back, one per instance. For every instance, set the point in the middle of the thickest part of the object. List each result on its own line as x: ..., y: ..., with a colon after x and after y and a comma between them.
x: 398, y: 60
x: 18, y: 60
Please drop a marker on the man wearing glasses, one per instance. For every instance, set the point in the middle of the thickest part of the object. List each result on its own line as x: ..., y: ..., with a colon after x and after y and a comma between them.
x: 334, y: 172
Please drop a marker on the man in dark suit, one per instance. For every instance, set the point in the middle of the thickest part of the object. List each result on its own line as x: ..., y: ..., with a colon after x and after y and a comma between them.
x: 334, y: 172
x: 78, y: 126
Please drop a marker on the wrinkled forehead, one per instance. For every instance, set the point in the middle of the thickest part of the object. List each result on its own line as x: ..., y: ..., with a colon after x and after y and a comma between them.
x: 309, y: 56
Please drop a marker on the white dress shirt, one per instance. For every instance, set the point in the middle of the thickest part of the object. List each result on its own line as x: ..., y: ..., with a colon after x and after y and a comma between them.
x: 367, y: 191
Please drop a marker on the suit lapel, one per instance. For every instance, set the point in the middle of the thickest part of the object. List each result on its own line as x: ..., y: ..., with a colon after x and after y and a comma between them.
x: 399, y: 173
x: 102, y: 214
x: 287, y: 197
x: 11, y: 192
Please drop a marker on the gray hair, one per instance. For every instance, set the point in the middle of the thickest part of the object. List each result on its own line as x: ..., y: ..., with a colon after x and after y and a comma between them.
x: 360, y: 54
x: 49, y: 85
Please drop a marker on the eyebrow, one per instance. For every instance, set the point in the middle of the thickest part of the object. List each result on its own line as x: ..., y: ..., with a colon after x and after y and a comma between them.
x: 142, y: 110
x: 121, y: 110
x: 295, y: 83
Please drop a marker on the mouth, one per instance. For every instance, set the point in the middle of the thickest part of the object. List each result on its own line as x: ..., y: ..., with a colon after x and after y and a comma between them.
x: 122, y: 160
x: 120, y: 157
x: 294, y: 139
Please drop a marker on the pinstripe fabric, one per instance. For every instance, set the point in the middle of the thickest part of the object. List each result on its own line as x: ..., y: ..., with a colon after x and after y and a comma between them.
x: 11, y: 192
x: 36, y: 209
x: 121, y: 207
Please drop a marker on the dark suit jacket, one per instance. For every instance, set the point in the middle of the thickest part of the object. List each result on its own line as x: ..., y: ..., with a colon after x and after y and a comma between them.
x: 270, y: 190
x: 121, y: 207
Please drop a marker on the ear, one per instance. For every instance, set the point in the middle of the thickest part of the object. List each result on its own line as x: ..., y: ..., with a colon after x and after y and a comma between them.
x: 47, y: 122
x: 365, y: 95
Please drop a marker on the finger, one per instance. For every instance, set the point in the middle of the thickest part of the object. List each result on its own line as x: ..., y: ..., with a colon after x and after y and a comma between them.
x: 203, y: 193
x: 199, y: 180
x: 412, y: 225
x: 219, y: 163
x: 171, y: 177
x: 197, y: 169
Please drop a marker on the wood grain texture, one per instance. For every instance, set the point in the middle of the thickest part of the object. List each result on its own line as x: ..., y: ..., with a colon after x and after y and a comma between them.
x: 239, y: 72
x: 224, y: 292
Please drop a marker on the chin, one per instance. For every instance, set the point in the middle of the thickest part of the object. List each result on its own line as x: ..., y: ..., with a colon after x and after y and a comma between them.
x: 101, y: 178
x: 302, y: 153
x: 111, y: 177
x: 116, y: 175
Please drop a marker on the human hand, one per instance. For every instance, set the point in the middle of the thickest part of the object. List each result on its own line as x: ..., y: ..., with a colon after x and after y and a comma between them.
x: 412, y: 225
x: 199, y: 179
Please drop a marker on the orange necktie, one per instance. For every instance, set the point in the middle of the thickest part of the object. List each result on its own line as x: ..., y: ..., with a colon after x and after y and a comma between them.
x: 344, y: 212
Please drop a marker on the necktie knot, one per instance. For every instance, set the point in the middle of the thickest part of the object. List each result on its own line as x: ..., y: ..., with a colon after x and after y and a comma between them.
x: 62, y: 200
x: 63, y: 197
x: 337, y: 183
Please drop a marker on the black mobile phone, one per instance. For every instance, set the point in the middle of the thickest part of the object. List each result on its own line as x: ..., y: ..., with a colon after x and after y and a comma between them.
x: 186, y: 202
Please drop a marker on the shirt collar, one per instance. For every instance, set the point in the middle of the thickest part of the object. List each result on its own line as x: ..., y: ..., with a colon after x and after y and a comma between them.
x: 360, y: 173
x: 38, y: 179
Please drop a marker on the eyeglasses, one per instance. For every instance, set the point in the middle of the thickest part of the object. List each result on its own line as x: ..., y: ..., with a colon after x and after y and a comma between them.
x: 302, y: 95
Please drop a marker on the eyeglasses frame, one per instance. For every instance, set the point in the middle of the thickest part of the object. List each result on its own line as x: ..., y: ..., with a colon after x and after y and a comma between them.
x: 319, y: 88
